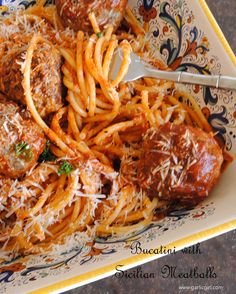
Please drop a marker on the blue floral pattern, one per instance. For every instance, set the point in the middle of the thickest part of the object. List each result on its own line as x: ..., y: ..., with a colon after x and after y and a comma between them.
x: 184, y: 47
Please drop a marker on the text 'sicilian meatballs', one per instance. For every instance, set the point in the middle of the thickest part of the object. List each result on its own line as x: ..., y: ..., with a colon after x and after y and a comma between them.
x: 179, y: 162
x: 21, y: 140
x: 74, y: 14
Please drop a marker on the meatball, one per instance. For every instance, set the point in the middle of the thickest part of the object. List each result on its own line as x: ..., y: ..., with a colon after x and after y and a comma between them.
x: 21, y: 141
x: 179, y: 162
x: 74, y: 14
x: 45, y: 77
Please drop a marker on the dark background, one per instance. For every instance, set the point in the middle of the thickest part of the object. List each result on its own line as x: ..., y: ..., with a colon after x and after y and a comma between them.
x: 219, y: 252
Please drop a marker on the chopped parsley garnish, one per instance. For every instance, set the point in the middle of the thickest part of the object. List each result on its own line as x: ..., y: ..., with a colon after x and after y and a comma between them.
x: 99, y: 35
x: 65, y: 169
x: 23, y: 150
x: 47, y: 154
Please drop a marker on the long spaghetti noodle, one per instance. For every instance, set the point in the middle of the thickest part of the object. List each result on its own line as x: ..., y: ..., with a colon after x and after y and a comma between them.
x: 103, y: 122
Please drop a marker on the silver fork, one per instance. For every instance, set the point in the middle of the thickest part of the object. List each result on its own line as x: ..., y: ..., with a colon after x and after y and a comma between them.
x: 139, y: 69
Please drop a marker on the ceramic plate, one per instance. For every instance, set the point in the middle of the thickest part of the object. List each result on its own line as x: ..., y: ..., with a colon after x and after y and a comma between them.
x: 186, y: 37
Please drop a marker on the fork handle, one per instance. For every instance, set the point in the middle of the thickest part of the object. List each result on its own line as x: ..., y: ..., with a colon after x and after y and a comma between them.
x: 217, y: 81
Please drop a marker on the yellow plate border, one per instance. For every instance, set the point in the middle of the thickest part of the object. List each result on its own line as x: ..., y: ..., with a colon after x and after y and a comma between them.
x: 138, y: 259
x: 204, y: 235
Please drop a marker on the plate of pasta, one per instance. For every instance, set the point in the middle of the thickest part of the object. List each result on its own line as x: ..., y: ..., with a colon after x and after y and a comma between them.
x: 90, y: 165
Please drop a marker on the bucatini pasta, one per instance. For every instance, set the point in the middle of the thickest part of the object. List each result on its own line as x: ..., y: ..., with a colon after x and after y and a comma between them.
x: 90, y: 180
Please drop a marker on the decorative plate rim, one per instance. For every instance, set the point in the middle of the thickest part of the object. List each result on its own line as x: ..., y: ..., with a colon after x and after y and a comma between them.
x: 130, y: 262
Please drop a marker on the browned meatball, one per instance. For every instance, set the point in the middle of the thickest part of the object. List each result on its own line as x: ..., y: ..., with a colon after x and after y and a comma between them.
x: 21, y: 141
x: 74, y: 14
x: 45, y: 77
x: 179, y: 162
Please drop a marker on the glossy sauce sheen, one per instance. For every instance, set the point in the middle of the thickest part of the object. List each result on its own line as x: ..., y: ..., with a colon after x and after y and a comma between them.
x: 179, y: 162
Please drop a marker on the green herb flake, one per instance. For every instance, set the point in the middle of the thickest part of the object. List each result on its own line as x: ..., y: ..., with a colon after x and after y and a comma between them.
x: 47, y: 154
x: 100, y: 34
x: 65, y: 169
x: 23, y: 150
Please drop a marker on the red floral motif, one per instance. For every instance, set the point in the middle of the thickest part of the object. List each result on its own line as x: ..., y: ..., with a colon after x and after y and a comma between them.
x: 206, y: 112
x: 191, y: 48
x: 147, y: 14
x: 197, y: 215
x: 165, y: 29
x: 49, y: 259
x: 189, y: 20
x: 15, y: 267
x: 93, y: 250
x: 196, y: 89
x: 176, y: 63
